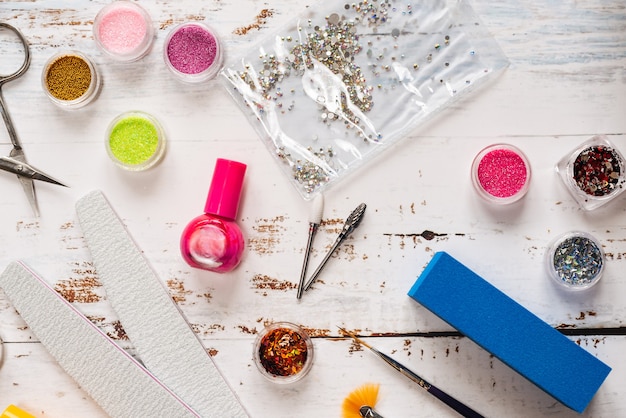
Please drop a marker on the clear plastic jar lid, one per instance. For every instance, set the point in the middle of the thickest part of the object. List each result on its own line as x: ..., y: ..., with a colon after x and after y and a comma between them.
x: 283, y: 352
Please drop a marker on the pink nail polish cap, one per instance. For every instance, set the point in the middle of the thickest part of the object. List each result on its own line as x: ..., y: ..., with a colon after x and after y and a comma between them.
x: 225, y: 190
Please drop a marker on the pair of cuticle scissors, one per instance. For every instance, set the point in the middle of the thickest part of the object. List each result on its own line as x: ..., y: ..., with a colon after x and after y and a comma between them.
x: 16, y: 161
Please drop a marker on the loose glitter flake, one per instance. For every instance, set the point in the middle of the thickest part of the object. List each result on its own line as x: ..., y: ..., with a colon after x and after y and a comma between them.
x: 358, y: 74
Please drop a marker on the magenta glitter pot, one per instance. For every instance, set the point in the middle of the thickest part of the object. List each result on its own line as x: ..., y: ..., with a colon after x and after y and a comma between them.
x: 123, y: 30
x: 501, y: 174
x: 192, y: 52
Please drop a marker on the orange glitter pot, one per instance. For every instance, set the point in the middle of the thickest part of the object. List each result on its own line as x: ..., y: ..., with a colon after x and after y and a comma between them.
x: 283, y: 352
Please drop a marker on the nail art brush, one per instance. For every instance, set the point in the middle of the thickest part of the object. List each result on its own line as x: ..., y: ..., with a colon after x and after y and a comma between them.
x: 458, y: 406
x: 315, y: 217
x: 350, y: 225
x: 360, y: 402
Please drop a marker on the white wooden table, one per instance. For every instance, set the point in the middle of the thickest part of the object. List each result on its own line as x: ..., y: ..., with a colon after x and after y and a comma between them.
x: 566, y: 82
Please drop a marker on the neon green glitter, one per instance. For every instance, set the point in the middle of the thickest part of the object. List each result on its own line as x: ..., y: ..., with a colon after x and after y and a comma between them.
x: 133, y: 140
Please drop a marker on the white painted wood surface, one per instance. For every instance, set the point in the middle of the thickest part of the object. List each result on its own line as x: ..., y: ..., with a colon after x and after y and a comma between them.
x: 566, y: 82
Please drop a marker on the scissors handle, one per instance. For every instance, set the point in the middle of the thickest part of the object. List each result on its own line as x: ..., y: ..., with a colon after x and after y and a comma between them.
x: 25, y: 64
x: 6, y: 78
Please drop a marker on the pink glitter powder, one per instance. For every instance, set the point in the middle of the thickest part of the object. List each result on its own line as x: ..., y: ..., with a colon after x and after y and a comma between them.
x: 192, y: 49
x: 502, y: 173
x: 122, y: 30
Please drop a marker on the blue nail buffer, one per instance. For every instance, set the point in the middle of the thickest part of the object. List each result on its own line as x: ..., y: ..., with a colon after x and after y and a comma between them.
x: 509, y: 331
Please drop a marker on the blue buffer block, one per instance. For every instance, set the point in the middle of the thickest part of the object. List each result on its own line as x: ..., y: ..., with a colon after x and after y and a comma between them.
x: 509, y: 331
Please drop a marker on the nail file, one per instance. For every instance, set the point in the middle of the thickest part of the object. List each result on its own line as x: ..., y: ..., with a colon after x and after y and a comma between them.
x: 509, y: 331
x: 164, y: 341
x: 116, y: 381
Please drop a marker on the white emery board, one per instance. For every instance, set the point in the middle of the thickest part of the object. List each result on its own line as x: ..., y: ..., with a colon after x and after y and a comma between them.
x: 116, y: 381
x: 164, y: 341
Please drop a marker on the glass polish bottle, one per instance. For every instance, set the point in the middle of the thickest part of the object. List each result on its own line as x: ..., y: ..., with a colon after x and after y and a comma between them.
x: 213, y: 241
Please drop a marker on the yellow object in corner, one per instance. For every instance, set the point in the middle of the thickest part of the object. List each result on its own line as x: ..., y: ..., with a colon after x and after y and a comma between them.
x: 13, y: 411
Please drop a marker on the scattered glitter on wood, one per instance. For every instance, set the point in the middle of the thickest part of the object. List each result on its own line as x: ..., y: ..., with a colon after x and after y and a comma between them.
x: 21, y: 225
x: 268, y: 238
x: 81, y: 289
x: 67, y: 225
x: 264, y: 282
x: 317, y: 332
x: 259, y: 21
x: 178, y: 291
x: 113, y: 330
x: 247, y: 330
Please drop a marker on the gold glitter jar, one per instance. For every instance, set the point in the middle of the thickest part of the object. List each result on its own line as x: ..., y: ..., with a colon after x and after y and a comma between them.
x: 70, y: 80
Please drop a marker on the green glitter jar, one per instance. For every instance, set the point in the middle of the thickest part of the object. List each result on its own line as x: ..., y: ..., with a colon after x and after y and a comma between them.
x: 135, y: 141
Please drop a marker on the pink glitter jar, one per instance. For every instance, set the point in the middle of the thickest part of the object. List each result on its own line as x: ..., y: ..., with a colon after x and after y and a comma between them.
x: 123, y: 30
x: 192, y: 52
x: 501, y: 173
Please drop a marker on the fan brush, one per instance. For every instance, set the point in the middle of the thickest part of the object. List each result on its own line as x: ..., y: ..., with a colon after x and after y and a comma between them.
x: 360, y: 402
x: 453, y: 403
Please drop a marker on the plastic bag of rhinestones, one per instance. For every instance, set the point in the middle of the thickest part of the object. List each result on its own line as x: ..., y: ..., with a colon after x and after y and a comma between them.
x: 343, y: 81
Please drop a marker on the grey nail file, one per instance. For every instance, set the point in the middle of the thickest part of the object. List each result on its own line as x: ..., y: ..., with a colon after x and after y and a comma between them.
x: 116, y: 381
x: 164, y: 341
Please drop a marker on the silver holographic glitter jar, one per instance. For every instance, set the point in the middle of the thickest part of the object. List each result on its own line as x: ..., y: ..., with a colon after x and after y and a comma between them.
x: 575, y: 260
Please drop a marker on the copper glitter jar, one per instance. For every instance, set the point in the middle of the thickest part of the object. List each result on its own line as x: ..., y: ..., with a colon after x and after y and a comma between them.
x: 593, y: 173
x: 283, y: 352
x: 70, y: 80
x: 501, y: 174
x: 575, y: 260
x: 192, y: 52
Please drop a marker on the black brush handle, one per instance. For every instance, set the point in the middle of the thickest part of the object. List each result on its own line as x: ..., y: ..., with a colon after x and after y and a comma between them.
x: 458, y: 406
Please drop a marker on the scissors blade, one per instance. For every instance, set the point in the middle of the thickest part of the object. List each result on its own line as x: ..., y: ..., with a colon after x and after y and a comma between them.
x: 23, y: 169
x: 38, y: 175
x: 27, y: 182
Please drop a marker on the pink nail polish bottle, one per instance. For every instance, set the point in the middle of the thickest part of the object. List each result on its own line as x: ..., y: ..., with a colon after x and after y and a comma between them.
x: 213, y: 241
